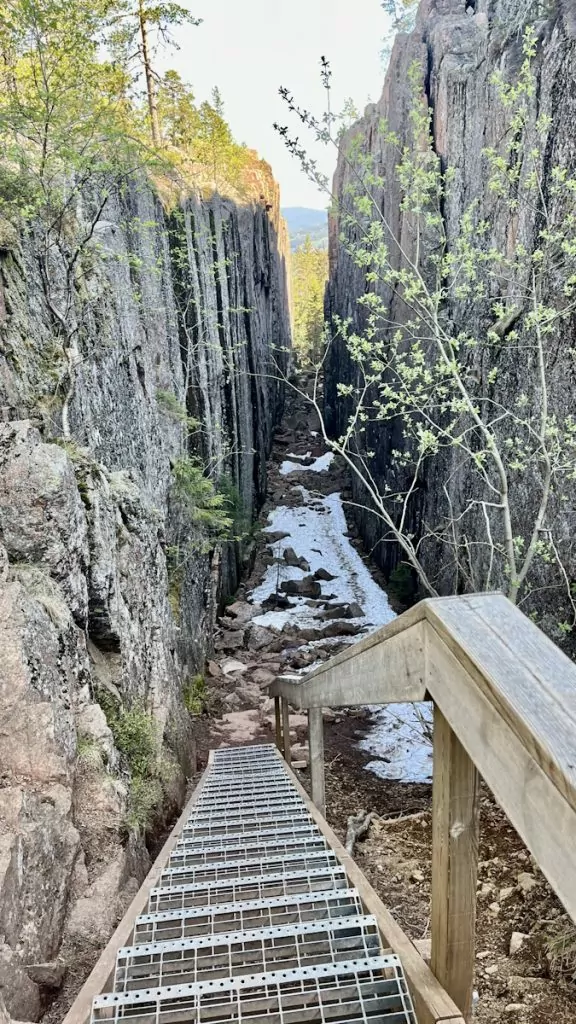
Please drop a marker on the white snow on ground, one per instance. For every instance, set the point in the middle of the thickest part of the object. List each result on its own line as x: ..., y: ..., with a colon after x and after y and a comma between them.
x: 318, y: 466
x: 398, y: 741
x: 318, y: 532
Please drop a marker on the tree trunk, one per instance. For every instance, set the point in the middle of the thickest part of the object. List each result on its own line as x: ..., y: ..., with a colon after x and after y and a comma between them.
x: 150, y: 83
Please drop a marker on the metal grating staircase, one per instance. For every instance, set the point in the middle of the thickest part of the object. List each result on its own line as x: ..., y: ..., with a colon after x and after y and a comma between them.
x: 254, y: 920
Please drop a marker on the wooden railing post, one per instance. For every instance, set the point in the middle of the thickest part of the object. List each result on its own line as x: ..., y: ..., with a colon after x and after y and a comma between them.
x: 286, y: 731
x: 316, y: 744
x: 278, y: 722
x: 455, y: 805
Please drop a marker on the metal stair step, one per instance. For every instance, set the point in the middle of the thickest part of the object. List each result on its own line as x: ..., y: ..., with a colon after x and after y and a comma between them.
x: 247, y: 914
x: 322, y: 878
x: 282, y: 830
x: 248, y: 866
x: 353, y: 992
x: 215, y: 825
x: 190, y: 855
x: 233, y: 954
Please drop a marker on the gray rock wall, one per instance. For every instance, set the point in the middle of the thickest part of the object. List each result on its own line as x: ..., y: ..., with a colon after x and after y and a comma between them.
x: 87, y: 607
x: 459, y: 46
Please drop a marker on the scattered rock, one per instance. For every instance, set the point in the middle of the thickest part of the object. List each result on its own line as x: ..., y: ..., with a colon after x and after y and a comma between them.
x: 323, y: 574
x: 259, y: 637
x: 263, y: 676
x: 493, y: 969
x: 275, y: 601
x: 242, y: 610
x: 213, y: 669
x: 48, y: 975
x: 291, y: 558
x: 232, y: 665
x: 416, y: 875
x: 506, y: 893
x: 340, y: 628
x: 306, y: 587
x: 516, y: 942
x: 526, y: 882
x: 275, y: 535
x: 514, y: 1008
x: 230, y: 641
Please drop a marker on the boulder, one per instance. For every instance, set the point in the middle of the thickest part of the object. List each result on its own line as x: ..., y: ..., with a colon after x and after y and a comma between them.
x: 231, y: 665
x: 275, y: 601
x: 243, y: 611
x: 291, y: 558
x: 259, y: 637
x: 274, y: 536
x: 263, y: 677
x: 323, y: 574
x: 232, y: 640
x: 49, y: 975
x: 306, y: 587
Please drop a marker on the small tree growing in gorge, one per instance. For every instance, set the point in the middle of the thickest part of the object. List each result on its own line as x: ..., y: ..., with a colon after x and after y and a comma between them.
x: 448, y: 316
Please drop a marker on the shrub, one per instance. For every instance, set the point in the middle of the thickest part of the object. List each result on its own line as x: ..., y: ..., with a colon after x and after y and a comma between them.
x: 194, y: 694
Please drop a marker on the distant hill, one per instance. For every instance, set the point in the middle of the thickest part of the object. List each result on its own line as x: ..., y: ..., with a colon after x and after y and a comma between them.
x: 303, y: 221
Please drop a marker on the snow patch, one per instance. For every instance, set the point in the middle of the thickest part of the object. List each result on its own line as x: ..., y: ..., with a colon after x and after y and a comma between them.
x: 320, y: 465
x: 318, y: 533
x: 399, y: 740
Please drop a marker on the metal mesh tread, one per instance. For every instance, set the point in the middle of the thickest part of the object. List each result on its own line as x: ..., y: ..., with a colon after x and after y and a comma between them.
x: 238, y: 953
x: 246, y: 914
x: 285, y: 883
x: 354, y: 991
x: 253, y: 920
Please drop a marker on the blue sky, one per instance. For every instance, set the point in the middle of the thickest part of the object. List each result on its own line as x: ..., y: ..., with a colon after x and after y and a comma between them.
x: 249, y: 49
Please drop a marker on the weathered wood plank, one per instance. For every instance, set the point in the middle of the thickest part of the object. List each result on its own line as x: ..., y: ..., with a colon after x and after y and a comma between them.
x: 102, y: 977
x: 455, y: 805
x: 433, y: 1005
x: 387, y: 674
x: 286, y: 747
x: 540, y: 814
x: 316, y: 744
x: 278, y: 722
x: 530, y: 682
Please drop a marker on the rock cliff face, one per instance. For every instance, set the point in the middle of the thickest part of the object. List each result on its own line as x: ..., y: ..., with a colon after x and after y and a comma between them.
x: 459, y: 45
x: 183, y: 315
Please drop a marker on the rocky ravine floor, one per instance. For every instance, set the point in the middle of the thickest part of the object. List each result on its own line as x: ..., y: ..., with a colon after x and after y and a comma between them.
x: 310, y: 592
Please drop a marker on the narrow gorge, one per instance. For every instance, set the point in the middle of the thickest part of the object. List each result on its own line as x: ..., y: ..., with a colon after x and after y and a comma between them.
x: 223, y: 463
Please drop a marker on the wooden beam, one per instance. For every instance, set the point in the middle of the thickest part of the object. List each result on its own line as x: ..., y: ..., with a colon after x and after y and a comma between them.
x: 102, y: 976
x: 455, y: 805
x: 316, y: 743
x: 286, y: 731
x: 432, y: 1004
x: 278, y: 722
x: 387, y: 674
x: 538, y: 811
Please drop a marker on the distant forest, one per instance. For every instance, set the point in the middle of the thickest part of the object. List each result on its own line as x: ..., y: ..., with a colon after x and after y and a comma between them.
x: 303, y: 222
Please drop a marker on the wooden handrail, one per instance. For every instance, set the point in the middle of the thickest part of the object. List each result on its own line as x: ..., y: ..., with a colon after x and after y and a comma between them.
x: 505, y: 707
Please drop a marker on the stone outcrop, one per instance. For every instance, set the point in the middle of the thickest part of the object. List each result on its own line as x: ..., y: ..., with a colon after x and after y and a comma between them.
x: 180, y: 315
x: 459, y: 45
